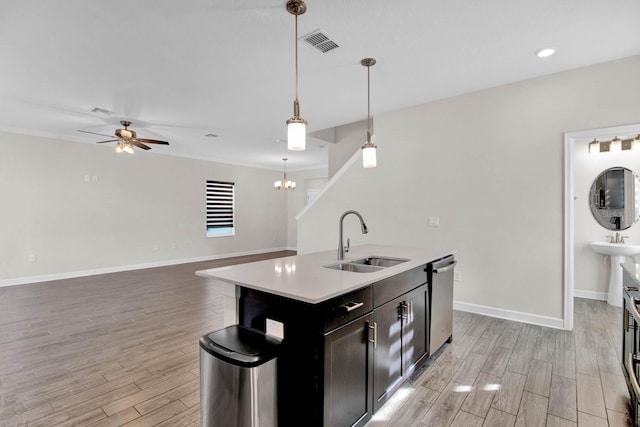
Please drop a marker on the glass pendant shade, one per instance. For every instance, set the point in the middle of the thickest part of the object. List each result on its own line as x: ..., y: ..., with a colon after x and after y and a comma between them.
x: 296, y: 134
x: 594, y: 147
x: 369, y: 155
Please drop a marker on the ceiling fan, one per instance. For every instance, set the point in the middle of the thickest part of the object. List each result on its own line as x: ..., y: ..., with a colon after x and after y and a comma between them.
x: 127, y: 138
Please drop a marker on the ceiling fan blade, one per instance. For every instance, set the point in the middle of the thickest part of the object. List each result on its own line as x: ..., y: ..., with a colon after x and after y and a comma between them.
x: 139, y: 144
x: 95, y: 133
x: 152, y: 141
x: 111, y: 140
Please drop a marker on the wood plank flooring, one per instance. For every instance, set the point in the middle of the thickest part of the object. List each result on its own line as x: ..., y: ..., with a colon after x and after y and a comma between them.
x: 531, y: 375
x: 121, y: 349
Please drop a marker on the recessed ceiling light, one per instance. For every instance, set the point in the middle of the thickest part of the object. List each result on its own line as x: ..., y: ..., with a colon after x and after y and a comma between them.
x: 546, y: 52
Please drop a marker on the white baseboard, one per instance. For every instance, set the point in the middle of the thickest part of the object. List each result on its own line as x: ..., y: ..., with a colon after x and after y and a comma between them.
x: 601, y: 296
x: 82, y: 273
x: 518, y: 316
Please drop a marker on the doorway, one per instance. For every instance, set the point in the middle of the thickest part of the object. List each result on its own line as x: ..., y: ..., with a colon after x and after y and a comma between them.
x: 574, y: 141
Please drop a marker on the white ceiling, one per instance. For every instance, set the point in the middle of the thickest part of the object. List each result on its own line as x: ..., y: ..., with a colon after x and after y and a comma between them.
x: 182, y: 69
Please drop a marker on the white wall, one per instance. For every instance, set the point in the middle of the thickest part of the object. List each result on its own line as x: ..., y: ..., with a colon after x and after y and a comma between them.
x: 490, y: 165
x: 348, y: 138
x: 137, y: 202
x: 591, y: 269
x: 314, y: 179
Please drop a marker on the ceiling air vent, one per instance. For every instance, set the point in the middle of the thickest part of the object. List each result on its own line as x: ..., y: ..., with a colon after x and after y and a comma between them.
x: 101, y: 111
x: 320, y: 41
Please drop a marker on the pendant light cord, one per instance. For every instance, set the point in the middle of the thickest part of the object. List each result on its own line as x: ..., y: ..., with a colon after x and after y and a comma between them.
x: 296, y: 57
x: 368, y: 104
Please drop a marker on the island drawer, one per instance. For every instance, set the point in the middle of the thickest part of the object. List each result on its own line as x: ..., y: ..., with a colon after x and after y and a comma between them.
x: 345, y: 308
x: 387, y: 289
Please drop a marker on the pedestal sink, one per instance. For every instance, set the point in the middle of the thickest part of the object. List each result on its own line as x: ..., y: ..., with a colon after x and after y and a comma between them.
x: 617, y: 252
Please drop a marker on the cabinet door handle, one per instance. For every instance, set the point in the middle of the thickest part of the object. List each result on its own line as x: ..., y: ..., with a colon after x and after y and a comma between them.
x: 402, y: 311
x: 375, y: 333
x: 352, y: 306
x: 625, y: 325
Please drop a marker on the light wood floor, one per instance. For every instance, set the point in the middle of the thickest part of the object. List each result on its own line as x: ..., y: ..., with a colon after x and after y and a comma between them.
x: 121, y: 349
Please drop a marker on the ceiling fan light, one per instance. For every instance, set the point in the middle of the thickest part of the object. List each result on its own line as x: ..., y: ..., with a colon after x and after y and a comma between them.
x: 296, y: 134
x: 124, y: 133
x: 369, y: 155
x: 119, y: 147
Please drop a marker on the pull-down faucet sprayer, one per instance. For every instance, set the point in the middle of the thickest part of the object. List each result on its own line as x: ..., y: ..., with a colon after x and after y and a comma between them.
x: 362, y: 225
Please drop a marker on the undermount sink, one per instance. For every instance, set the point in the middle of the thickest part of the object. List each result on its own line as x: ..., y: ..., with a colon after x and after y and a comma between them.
x: 356, y: 268
x: 368, y: 264
x: 616, y: 249
x: 379, y: 261
x: 617, y: 252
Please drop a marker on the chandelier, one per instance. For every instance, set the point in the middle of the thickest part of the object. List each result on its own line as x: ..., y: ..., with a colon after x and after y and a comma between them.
x: 284, y: 183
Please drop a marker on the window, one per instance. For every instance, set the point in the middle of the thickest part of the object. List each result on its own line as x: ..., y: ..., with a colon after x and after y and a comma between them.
x: 220, y: 210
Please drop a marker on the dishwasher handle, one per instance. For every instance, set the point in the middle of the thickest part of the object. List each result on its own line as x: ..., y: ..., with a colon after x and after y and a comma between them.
x: 445, y: 268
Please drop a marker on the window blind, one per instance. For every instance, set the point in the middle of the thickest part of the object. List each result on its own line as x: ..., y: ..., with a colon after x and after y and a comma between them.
x: 220, y: 208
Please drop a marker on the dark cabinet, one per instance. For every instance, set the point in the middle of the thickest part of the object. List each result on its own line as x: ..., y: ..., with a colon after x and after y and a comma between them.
x: 348, y: 358
x: 401, y: 341
x: 343, y: 358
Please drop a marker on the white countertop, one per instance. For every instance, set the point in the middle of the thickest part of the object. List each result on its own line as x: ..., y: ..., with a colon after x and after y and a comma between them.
x: 304, y: 277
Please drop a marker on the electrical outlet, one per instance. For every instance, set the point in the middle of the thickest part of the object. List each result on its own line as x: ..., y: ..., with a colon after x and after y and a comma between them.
x: 457, y: 276
x: 155, y: 248
x: 87, y: 178
x: 94, y: 178
x: 174, y: 245
x: 33, y: 258
x: 434, y: 221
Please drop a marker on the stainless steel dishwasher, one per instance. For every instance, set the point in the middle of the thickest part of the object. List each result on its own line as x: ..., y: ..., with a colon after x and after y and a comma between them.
x: 441, y: 310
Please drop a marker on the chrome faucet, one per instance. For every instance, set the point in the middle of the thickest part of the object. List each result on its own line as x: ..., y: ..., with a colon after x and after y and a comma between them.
x: 341, y: 248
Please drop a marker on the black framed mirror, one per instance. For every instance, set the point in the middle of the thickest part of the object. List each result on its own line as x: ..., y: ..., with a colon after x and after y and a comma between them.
x: 614, y: 198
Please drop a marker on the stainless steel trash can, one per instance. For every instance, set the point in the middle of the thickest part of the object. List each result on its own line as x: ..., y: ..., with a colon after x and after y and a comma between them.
x: 238, y: 378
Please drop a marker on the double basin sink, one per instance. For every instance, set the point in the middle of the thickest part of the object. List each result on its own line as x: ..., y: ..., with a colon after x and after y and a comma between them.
x: 367, y: 265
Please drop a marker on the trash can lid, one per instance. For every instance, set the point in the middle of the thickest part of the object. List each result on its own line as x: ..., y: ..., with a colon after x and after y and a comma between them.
x: 240, y: 345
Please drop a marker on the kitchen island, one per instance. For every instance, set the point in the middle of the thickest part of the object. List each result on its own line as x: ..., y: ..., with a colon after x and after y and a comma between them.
x: 352, y: 334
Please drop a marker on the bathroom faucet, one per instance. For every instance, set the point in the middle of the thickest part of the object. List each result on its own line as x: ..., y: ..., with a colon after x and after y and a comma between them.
x: 617, y: 238
x: 362, y: 224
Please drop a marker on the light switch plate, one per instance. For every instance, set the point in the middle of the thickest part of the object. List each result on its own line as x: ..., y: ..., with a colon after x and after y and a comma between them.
x: 434, y: 221
x: 275, y: 328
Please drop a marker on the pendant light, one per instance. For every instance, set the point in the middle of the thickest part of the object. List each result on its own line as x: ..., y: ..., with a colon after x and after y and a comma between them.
x: 285, y: 183
x: 296, y: 125
x: 368, y: 148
